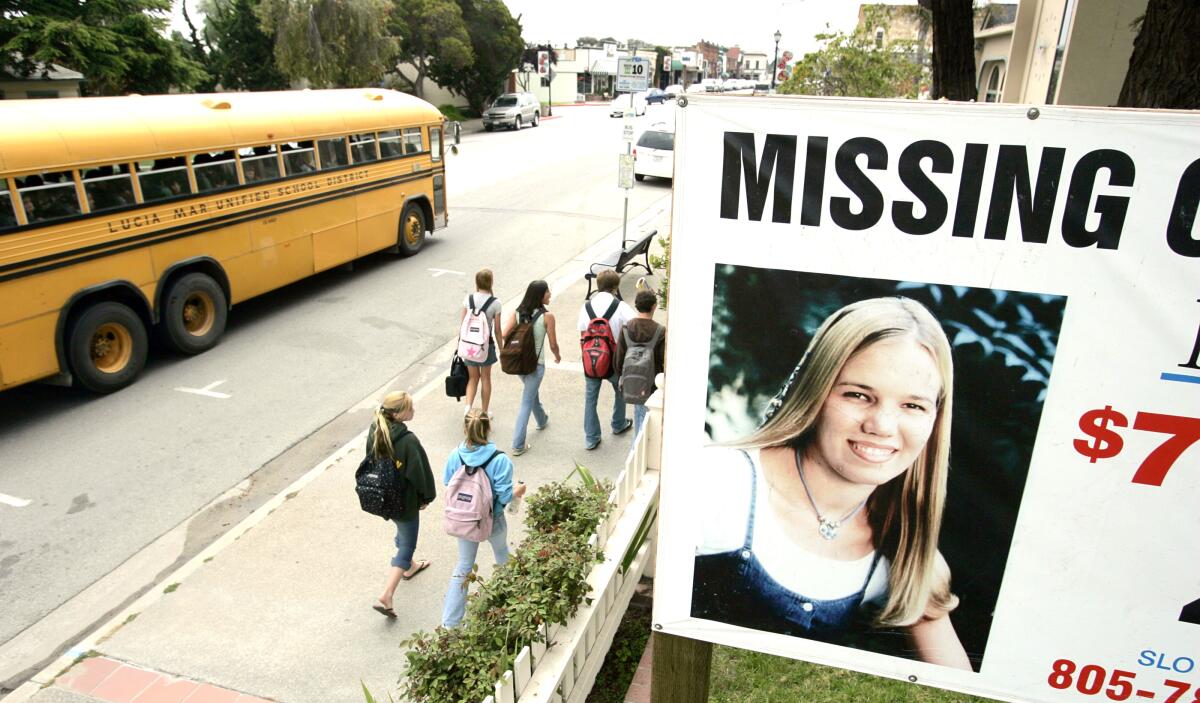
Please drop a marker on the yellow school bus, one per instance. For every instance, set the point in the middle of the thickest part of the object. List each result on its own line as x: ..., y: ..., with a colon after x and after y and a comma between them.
x: 130, y: 216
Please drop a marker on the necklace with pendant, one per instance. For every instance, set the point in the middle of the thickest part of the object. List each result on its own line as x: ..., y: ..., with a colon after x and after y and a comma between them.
x: 826, y: 527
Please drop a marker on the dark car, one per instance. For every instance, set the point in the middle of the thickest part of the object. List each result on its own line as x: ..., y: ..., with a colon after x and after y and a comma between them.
x: 656, y: 96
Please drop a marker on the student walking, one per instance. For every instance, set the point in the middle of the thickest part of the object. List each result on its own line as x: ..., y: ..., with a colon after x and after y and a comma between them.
x: 479, y: 372
x: 476, y: 450
x: 389, y: 436
x: 641, y: 355
x: 533, y: 310
x: 603, y: 304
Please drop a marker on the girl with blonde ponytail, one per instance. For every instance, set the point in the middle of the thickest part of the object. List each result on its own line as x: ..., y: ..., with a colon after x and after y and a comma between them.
x: 389, y: 436
x: 837, y: 499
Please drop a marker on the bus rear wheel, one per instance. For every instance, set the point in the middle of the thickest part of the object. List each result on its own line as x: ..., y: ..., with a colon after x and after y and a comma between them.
x: 412, y: 230
x: 194, y: 314
x: 107, y: 347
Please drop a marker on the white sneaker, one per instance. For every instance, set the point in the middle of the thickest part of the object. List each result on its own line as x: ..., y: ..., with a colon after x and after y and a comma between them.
x: 518, y: 451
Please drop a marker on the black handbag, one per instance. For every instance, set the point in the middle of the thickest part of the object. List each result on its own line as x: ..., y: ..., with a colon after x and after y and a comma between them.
x: 456, y: 382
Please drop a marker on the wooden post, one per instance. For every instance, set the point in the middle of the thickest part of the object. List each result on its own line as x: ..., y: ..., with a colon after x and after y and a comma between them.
x: 680, y: 669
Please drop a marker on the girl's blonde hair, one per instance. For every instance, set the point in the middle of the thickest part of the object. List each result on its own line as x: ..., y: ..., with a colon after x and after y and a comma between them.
x: 394, y: 405
x: 476, y: 427
x: 905, y: 513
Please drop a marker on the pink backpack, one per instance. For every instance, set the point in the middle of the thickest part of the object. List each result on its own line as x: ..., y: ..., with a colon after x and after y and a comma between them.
x: 468, y: 511
x: 475, y: 332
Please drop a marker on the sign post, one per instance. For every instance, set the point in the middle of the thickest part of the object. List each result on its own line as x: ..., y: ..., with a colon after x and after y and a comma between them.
x: 625, y: 164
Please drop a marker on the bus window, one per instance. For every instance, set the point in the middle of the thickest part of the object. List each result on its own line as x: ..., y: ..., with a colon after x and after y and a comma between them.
x: 362, y: 148
x: 298, y: 158
x: 412, y: 140
x: 48, y: 196
x: 333, y: 153
x: 163, y: 178
x: 108, y: 187
x: 214, y: 170
x: 259, y: 163
x: 435, y: 143
x: 8, y: 216
x: 389, y: 144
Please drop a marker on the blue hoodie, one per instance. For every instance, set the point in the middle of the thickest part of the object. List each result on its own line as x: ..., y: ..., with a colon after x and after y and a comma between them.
x: 499, y: 472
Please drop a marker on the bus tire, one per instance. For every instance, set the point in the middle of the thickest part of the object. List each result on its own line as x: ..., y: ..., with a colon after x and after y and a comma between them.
x: 194, y: 314
x: 107, y: 347
x: 412, y: 230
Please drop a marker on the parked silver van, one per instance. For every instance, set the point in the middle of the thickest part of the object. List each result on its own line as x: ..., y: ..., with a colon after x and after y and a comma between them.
x: 512, y: 110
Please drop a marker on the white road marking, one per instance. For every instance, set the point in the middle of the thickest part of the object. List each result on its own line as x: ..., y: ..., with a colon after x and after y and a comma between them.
x: 441, y: 272
x: 14, y: 501
x: 206, y: 391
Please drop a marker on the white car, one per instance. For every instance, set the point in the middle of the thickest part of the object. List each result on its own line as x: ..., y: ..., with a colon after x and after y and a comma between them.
x: 621, y: 103
x: 696, y: 88
x: 673, y: 91
x: 654, y: 154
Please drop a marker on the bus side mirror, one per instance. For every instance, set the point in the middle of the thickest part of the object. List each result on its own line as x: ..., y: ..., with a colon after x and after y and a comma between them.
x: 457, y: 132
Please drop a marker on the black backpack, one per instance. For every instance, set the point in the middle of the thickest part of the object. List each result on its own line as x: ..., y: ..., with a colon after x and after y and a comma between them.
x: 380, y: 485
x: 456, y: 382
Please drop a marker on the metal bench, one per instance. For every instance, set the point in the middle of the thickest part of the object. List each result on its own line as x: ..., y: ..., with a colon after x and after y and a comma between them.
x: 624, y: 258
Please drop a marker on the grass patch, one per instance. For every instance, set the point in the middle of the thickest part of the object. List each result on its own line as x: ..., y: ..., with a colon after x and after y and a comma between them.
x: 741, y: 676
x: 171, y: 588
x: 612, y: 681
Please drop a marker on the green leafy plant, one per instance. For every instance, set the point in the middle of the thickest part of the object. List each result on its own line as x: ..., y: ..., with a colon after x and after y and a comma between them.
x: 663, y: 263
x: 545, y: 581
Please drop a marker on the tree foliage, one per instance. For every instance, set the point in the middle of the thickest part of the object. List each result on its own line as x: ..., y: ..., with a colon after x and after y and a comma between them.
x: 239, y: 53
x: 330, y: 43
x: 118, y: 45
x: 497, y: 45
x: 432, y: 36
x: 850, y: 64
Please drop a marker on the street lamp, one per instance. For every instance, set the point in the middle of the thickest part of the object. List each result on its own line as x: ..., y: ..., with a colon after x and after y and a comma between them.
x: 775, y: 63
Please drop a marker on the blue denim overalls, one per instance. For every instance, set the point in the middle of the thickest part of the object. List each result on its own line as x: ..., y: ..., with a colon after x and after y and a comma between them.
x: 732, y: 587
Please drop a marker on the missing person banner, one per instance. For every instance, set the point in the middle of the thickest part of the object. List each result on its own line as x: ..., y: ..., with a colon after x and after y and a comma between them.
x: 933, y: 393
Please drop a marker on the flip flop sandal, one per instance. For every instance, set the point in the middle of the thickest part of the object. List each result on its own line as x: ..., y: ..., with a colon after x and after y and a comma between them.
x: 421, y: 566
x: 383, y: 610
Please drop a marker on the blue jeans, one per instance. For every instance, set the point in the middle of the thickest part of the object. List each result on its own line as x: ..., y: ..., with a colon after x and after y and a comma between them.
x: 406, y: 542
x: 455, y: 604
x: 530, y: 402
x: 639, y: 418
x: 591, y: 421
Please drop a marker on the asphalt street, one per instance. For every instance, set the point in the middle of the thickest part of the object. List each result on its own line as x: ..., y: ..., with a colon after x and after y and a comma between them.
x: 201, y: 442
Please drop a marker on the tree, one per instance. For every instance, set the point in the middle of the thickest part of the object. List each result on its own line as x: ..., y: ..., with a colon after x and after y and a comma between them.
x: 953, y: 60
x: 330, y: 43
x: 497, y: 45
x: 1162, y: 69
x: 529, y: 57
x: 118, y: 45
x: 850, y: 64
x: 240, y: 53
x: 430, y: 32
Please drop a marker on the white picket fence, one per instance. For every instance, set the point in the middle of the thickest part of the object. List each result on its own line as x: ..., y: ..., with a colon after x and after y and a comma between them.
x: 563, y: 669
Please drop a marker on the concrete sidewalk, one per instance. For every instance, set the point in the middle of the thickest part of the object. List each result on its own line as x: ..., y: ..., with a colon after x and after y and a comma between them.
x: 279, y: 609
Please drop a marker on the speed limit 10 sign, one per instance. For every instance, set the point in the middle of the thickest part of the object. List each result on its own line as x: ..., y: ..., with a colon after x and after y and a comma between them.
x: 633, y: 74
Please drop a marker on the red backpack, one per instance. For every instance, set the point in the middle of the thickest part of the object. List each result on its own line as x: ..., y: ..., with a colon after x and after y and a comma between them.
x: 598, y: 344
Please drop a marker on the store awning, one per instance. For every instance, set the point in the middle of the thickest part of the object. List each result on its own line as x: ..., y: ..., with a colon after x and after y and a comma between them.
x: 603, y: 67
x: 676, y: 65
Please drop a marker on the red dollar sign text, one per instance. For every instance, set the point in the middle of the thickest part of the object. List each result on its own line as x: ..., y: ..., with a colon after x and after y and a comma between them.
x: 1108, y: 443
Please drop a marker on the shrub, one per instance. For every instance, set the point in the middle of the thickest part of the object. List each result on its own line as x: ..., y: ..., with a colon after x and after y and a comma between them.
x: 453, y: 113
x: 544, y: 581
